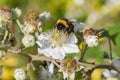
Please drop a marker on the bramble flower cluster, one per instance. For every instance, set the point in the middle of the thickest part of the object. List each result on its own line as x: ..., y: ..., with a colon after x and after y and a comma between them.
x: 5, y: 16
x: 58, y: 45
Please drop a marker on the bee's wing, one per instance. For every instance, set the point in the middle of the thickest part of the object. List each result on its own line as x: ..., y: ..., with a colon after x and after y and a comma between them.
x: 72, y: 20
x: 79, y: 26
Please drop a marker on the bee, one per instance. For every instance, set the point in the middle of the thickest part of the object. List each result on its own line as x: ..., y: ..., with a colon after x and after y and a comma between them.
x: 65, y: 25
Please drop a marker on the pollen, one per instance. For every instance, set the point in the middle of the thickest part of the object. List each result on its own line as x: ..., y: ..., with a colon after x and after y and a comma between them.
x: 57, y: 36
x: 68, y: 65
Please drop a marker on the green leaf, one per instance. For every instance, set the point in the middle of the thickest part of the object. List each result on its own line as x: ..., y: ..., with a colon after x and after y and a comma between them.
x: 114, y: 29
x: 31, y: 50
x: 117, y: 40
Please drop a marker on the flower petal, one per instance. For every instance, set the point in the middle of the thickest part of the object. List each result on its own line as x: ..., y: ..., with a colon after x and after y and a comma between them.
x: 72, y: 39
x: 51, y: 68
x: 58, y: 53
x: 65, y: 75
x: 72, y: 76
x: 43, y: 40
x: 46, y: 51
x: 70, y: 48
x: 106, y: 73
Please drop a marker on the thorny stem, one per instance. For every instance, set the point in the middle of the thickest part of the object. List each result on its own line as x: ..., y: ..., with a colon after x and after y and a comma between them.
x: 44, y: 58
x: 83, y: 53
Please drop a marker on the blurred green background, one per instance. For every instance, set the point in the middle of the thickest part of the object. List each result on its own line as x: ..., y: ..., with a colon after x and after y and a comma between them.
x: 97, y: 14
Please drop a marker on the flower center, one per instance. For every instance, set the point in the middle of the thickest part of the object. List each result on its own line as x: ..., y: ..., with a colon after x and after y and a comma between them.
x: 68, y: 64
x: 32, y: 16
x: 57, y: 37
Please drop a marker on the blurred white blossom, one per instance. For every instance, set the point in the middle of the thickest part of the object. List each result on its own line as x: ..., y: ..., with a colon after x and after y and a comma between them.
x: 19, y: 74
x: 78, y: 2
x: 110, y: 74
x: 56, y: 44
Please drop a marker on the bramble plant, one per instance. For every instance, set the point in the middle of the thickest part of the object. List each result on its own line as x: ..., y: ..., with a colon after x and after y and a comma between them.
x: 57, y: 53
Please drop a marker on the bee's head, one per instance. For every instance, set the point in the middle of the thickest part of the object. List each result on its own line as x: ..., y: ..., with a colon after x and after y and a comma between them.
x: 64, y: 24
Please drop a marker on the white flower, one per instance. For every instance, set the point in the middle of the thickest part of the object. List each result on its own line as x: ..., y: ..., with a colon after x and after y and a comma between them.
x: 16, y: 12
x: 28, y: 40
x: 56, y: 44
x: 69, y: 66
x: 19, y: 74
x: 91, y: 40
x: 79, y: 27
x: 110, y: 74
x: 45, y: 16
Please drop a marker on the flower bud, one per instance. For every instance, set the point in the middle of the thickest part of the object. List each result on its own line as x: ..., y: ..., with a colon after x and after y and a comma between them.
x: 19, y: 74
x: 28, y: 40
x: 16, y: 12
x: 90, y: 37
x: 45, y: 16
x: 31, y: 21
x: 5, y: 16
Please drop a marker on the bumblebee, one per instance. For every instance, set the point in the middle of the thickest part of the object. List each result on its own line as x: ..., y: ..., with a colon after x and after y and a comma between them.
x: 65, y: 25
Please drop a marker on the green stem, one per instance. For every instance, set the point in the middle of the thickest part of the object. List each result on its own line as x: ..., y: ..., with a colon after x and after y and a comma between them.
x: 5, y: 36
x: 19, y: 24
x: 110, y: 47
x: 83, y: 53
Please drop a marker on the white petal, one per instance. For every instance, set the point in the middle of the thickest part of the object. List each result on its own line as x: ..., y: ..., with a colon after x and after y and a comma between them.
x: 43, y: 35
x: 106, y: 73
x: 72, y: 76
x: 43, y: 40
x: 51, y: 68
x: 70, y: 48
x: 65, y: 75
x: 114, y: 73
x: 58, y: 53
x: 46, y: 51
x: 72, y: 39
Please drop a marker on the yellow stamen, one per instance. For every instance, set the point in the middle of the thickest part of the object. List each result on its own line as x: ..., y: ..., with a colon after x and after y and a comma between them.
x: 57, y: 36
x: 68, y: 64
